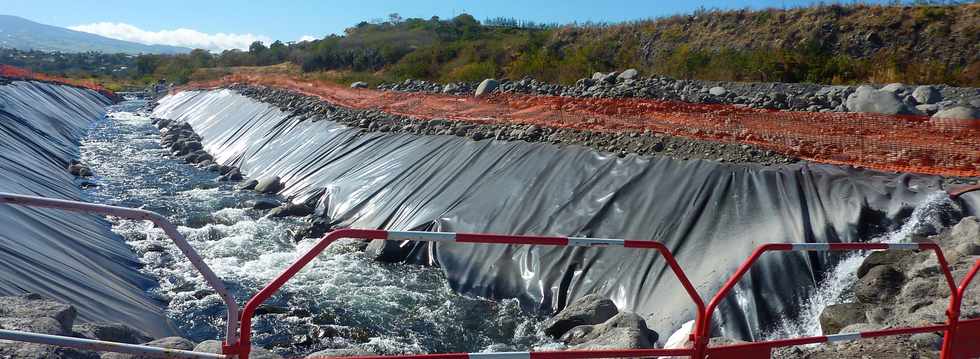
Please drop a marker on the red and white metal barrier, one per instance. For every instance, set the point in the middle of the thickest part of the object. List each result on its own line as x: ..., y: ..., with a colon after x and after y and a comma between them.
x: 231, y: 325
x: 272, y: 287
x: 954, y: 345
x: 960, y: 339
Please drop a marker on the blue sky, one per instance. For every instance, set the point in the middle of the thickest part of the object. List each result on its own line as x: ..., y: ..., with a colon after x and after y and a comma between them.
x: 290, y: 20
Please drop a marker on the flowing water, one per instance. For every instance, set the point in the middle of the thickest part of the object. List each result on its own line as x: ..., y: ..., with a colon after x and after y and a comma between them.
x: 342, y: 299
x: 836, y: 286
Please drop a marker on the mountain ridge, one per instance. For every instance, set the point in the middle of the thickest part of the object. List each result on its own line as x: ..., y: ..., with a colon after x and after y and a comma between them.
x: 23, y: 34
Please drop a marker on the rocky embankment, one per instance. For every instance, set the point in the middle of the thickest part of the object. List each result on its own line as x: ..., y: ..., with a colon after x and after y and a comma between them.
x: 898, y: 289
x: 946, y: 101
x: 621, y: 144
x: 37, y: 314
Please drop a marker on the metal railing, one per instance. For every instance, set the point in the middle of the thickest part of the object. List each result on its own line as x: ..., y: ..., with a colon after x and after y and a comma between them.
x: 231, y: 324
x: 272, y: 287
x: 960, y: 339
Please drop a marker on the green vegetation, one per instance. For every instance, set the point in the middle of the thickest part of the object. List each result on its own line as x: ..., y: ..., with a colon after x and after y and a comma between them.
x: 916, y: 43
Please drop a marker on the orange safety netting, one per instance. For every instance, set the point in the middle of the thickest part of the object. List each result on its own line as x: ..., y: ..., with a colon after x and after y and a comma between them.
x: 913, y: 144
x: 19, y: 73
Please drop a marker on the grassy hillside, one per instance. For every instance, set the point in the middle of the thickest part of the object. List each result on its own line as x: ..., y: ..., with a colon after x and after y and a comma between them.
x: 835, y: 44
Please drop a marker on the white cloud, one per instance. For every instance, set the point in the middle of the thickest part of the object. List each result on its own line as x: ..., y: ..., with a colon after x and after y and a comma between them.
x: 178, y: 37
x: 306, y: 38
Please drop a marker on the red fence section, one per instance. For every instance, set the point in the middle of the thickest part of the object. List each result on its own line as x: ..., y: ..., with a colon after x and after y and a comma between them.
x: 960, y: 340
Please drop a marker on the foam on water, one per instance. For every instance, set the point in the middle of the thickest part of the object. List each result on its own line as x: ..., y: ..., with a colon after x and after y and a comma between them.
x: 343, y: 298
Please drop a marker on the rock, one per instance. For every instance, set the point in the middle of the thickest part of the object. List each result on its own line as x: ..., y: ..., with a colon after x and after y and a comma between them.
x: 113, y: 332
x: 928, y: 341
x: 249, y: 185
x: 214, y: 346
x: 339, y: 353
x: 80, y: 170
x: 609, y: 78
x: 878, y: 258
x: 486, y: 87
x: 893, y: 87
x: 860, y: 327
x: 359, y: 85
x: 597, y: 76
x: 958, y: 113
x: 835, y: 317
x: 717, y: 91
x: 681, y: 338
x: 232, y: 175
x: 33, y: 307
x: 927, y: 95
x: 629, y: 74
x: 880, y: 284
x: 966, y: 231
x: 268, y: 184
x: 168, y: 342
x: 867, y: 99
x: 265, y: 204
x: 623, y: 331
x: 589, y: 309
x: 450, y: 88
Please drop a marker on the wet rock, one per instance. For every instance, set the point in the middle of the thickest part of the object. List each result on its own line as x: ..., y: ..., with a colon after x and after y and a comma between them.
x: 958, y: 113
x: 878, y: 258
x: 836, y: 317
x: 927, y: 95
x: 867, y: 99
x: 587, y: 310
x: 80, y: 170
x: 168, y: 342
x: 622, y: 331
x: 270, y: 309
x: 291, y: 210
x: 340, y: 353
x: 880, y: 284
x: 249, y: 185
x: 359, y: 85
x: 232, y: 175
x: 113, y: 332
x: 486, y: 87
x: 268, y: 184
x: 214, y: 346
x: 265, y: 204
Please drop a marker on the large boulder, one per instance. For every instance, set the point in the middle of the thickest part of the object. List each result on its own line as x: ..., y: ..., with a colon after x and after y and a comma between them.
x: 629, y: 74
x: 623, y: 331
x: 291, y: 210
x: 214, y: 346
x: 880, y: 284
x: 587, y: 310
x: 927, y: 95
x: 359, y: 85
x: 340, y: 353
x: 867, y: 99
x: 113, y: 332
x: 878, y: 258
x: 486, y: 87
x: 30, y: 308
x: 268, y: 184
x: 893, y: 87
x: 717, y: 91
x: 835, y: 317
x: 958, y: 113
x: 168, y: 343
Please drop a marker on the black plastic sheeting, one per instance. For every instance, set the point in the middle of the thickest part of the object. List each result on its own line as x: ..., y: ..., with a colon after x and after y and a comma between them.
x: 71, y: 257
x: 711, y: 215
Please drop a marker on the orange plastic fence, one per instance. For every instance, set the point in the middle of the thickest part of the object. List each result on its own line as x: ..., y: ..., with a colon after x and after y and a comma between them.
x: 20, y: 73
x: 912, y: 144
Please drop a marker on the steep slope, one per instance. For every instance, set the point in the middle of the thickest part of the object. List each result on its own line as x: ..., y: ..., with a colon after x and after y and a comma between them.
x: 22, y: 34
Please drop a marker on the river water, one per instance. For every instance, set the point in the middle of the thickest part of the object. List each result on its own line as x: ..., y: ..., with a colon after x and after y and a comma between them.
x: 343, y: 299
